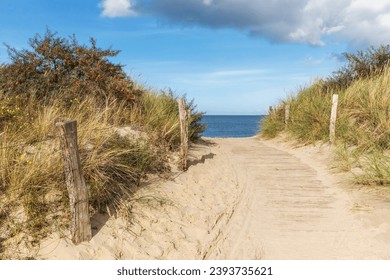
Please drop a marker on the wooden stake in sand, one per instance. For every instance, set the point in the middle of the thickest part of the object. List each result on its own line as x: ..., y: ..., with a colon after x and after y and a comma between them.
x: 286, y: 114
x: 333, y: 117
x: 183, y: 113
x: 80, y: 225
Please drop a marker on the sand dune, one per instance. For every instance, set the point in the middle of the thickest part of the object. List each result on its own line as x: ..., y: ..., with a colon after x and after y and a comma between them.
x: 244, y: 198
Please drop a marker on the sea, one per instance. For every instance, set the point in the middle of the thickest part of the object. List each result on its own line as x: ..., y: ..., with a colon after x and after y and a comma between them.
x: 231, y: 126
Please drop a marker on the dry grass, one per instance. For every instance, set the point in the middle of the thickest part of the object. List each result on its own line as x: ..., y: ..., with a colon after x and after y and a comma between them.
x: 158, y: 115
x: 362, y: 128
x: 346, y: 158
x: 125, y: 132
x: 31, y: 172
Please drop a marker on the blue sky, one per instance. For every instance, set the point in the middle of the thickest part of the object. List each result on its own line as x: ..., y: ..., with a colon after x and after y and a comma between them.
x: 231, y: 56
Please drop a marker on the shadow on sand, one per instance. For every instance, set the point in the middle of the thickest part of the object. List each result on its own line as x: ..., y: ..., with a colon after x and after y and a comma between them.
x: 99, y: 219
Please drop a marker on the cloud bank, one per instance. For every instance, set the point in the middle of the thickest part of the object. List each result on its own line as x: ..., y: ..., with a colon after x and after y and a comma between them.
x: 313, y: 22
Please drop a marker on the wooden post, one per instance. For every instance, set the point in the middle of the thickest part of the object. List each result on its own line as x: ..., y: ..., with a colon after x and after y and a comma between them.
x: 80, y: 224
x: 270, y: 110
x: 333, y: 117
x: 183, y: 113
x: 189, y: 117
x: 286, y: 114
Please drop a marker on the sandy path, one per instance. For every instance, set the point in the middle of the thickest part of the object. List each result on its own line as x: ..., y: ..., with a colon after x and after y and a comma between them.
x: 294, y: 208
x: 245, y: 199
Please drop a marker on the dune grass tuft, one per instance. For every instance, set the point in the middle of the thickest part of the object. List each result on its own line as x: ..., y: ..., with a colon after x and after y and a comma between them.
x: 363, y: 122
x: 125, y: 133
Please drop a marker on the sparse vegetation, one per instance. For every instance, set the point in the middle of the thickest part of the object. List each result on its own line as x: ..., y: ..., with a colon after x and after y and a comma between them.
x: 125, y: 132
x: 363, y: 123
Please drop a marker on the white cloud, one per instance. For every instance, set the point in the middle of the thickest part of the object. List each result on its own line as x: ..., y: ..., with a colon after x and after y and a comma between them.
x: 117, y: 8
x: 296, y: 21
x: 384, y: 20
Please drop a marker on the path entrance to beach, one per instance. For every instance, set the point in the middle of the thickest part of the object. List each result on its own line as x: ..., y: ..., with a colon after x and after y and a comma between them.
x: 244, y: 198
x: 293, y: 207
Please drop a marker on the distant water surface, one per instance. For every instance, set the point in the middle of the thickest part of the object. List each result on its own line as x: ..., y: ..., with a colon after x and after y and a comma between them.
x: 231, y: 126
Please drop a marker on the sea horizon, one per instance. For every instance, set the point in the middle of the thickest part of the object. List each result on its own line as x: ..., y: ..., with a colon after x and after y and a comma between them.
x: 231, y: 126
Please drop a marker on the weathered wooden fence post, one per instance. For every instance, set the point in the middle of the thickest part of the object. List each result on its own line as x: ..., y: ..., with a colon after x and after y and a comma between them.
x: 333, y: 117
x: 183, y: 113
x: 80, y: 225
x: 270, y: 110
x: 286, y: 114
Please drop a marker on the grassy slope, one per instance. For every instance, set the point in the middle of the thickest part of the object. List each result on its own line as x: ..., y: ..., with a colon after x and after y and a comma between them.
x: 58, y: 79
x: 363, y: 124
x: 33, y: 197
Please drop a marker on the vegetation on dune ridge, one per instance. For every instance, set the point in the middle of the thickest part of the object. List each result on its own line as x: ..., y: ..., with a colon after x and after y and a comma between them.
x: 125, y: 132
x: 363, y: 121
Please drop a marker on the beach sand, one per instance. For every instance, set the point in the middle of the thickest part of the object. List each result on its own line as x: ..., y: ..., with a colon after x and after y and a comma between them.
x: 243, y: 198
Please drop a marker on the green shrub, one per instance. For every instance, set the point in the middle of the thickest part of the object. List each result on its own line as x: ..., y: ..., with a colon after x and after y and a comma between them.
x: 63, y: 69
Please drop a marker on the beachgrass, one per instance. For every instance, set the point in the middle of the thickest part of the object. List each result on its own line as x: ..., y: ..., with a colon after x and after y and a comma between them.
x: 363, y: 123
x: 126, y: 133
